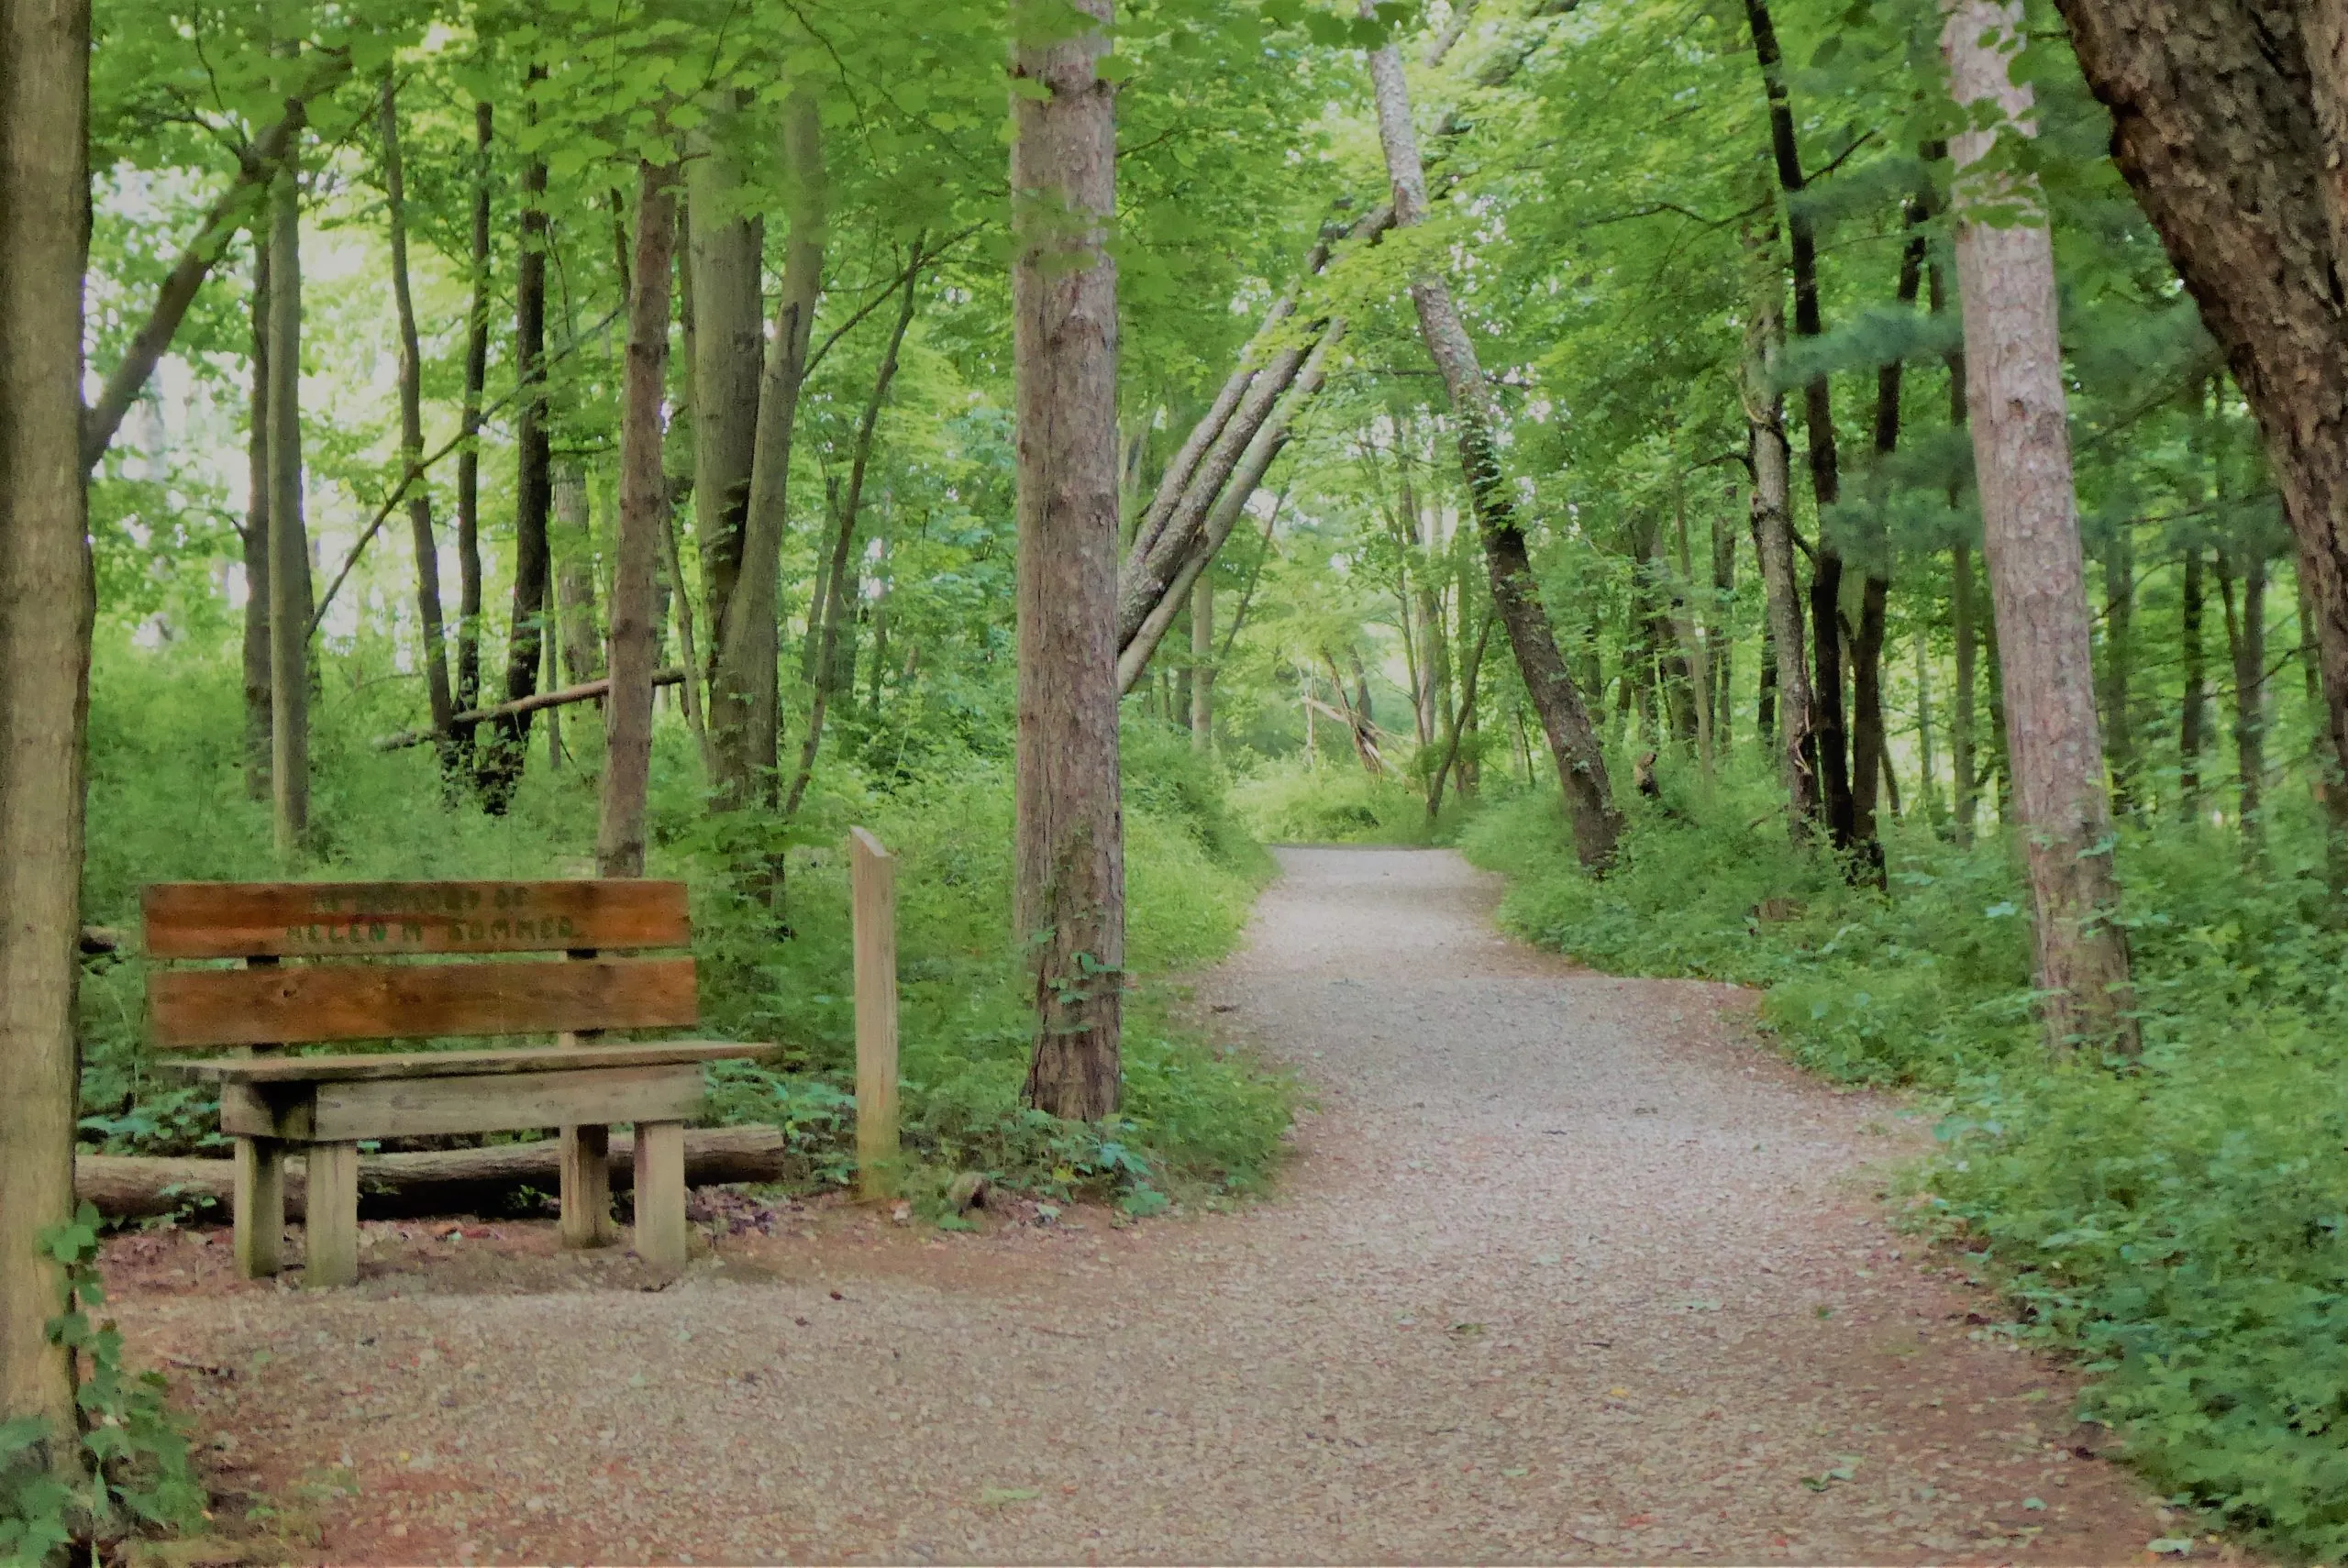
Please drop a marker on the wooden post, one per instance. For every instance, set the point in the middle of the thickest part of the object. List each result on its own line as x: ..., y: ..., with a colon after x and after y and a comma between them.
x: 332, y: 1207
x: 660, y: 1194
x: 872, y: 876
x: 584, y: 1172
x: 257, y: 1207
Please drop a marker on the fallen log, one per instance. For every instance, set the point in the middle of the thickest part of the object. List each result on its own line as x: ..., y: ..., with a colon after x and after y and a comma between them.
x: 586, y: 691
x: 393, y: 1187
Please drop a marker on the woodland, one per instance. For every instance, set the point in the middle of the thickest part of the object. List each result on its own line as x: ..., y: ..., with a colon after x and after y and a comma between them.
x: 1841, y: 496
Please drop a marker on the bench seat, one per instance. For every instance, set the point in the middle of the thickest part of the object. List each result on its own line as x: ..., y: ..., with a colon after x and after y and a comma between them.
x: 455, y: 1064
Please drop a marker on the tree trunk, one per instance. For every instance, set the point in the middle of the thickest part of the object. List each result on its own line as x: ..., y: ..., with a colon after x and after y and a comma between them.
x: 1928, y: 792
x: 2037, y: 575
x: 1202, y: 665
x: 45, y: 617
x: 1830, y: 749
x: 644, y: 499
x: 501, y: 768
x: 1069, y: 887
x: 744, y: 700
x: 1581, y: 768
x: 2192, y: 727
x: 572, y: 541
x: 2118, y: 656
x: 288, y: 544
x: 257, y: 702
x: 727, y: 249
x: 1765, y: 425
x: 469, y: 588
x: 1722, y: 645
x: 2247, y: 645
x: 420, y: 504
x: 1961, y: 747
x: 2231, y: 123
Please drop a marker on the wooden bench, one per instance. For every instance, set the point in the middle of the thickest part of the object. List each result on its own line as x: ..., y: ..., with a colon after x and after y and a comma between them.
x: 355, y: 974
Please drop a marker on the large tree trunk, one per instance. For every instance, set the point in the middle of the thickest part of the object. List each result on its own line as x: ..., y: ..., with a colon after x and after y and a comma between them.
x: 2037, y: 575
x: 1765, y: 425
x: 644, y: 499
x: 468, y: 586
x: 2231, y: 123
x: 744, y: 698
x: 255, y: 540
x: 1830, y: 734
x: 420, y: 504
x: 45, y: 615
x: 288, y: 544
x: 501, y: 768
x: 1581, y: 768
x: 727, y: 249
x: 1069, y: 887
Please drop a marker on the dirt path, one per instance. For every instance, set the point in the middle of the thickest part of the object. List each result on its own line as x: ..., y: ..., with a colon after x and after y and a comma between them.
x: 1570, y: 1270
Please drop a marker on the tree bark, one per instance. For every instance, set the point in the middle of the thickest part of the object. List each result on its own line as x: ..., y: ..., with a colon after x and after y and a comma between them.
x: 2231, y: 123
x: 744, y: 698
x: 2247, y: 646
x: 2119, y: 657
x: 469, y: 584
x: 420, y: 505
x: 1765, y: 424
x: 1581, y: 768
x: 2037, y: 575
x: 256, y: 539
x: 573, y: 539
x: 1202, y: 665
x: 1830, y: 736
x: 727, y: 249
x: 644, y: 496
x: 288, y: 544
x: 1068, y: 886
x: 501, y: 766
x: 1963, y: 757
x: 45, y: 617
x: 2192, y: 727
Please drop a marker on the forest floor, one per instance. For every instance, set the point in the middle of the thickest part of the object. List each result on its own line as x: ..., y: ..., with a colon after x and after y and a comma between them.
x: 1567, y: 1268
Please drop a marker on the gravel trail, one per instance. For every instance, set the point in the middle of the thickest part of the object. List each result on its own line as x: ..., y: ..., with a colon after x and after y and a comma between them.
x: 1568, y: 1269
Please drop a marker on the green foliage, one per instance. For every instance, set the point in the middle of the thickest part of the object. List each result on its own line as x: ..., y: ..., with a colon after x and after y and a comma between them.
x: 132, y: 1471
x: 2183, y: 1224
x: 1293, y: 801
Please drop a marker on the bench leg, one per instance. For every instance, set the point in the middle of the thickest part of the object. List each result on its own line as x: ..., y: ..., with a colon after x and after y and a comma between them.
x: 587, y: 1187
x: 660, y: 1194
x: 332, y: 1207
x: 259, y: 1206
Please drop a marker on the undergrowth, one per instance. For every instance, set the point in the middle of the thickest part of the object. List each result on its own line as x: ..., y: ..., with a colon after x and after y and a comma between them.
x: 2182, y: 1225
x: 168, y: 802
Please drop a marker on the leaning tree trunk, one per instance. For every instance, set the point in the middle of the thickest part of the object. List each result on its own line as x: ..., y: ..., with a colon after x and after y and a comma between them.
x: 2037, y: 576
x: 419, y: 503
x: 2231, y: 123
x: 289, y: 544
x: 255, y: 540
x: 1068, y: 889
x: 45, y: 615
x: 1581, y: 768
x: 644, y: 499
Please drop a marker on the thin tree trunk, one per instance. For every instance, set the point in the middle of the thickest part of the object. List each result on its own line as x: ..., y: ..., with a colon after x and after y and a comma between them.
x: 2193, y: 723
x: 289, y: 544
x: 1765, y: 424
x: 2037, y: 576
x: 1830, y: 736
x: 420, y: 505
x: 2247, y: 645
x: 45, y: 617
x: 1928, y: 790
x: 1581, y: 768
x: 2119, y: 608
x: 688, y: 644
x: 1202, y: 665
x: 469, y: 579
x: 501, y: 769
x: 1068, y: 883
x: 744, y: 700
x: 1961, y: 747
x: 574, y: 544
x: 257, y: 645
x: 644, y: 498
x: 838, y: 572
x: 1722, y: 645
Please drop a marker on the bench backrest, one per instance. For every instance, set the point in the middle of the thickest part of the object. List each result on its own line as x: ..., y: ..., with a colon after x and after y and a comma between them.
x: 319, y: 999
